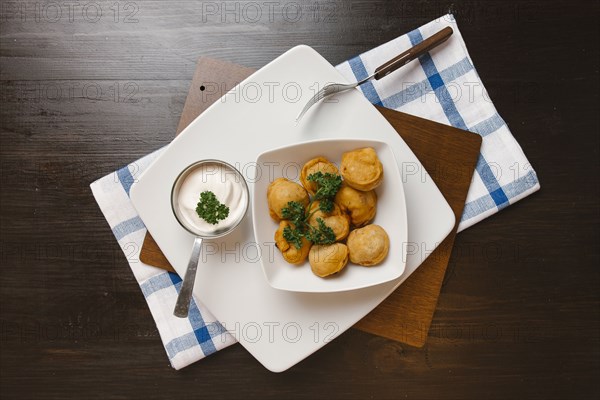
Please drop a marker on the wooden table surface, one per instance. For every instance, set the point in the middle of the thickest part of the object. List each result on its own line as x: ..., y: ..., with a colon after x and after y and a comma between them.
x: 90, y: 86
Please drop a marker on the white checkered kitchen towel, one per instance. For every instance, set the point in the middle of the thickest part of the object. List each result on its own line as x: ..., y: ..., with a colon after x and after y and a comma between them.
x: 442, y: 86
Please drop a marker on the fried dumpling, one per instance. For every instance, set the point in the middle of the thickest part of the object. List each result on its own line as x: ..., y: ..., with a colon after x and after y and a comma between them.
x: 289, y: 251
x: 280, y: 192
x: 315, y: 165
x: 361, y: 206
x: 361, y: 169
x: 369, y: 245
x: 338, y: 221
x: 327, y: 259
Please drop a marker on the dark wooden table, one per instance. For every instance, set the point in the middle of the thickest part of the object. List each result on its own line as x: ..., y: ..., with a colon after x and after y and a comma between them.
x: 90, y: 86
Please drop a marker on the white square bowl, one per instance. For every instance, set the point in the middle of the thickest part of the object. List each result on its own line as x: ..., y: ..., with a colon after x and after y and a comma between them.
x: 287, y: 162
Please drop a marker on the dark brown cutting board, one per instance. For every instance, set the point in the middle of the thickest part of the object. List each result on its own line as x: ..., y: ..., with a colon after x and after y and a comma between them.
x: 449, y: 156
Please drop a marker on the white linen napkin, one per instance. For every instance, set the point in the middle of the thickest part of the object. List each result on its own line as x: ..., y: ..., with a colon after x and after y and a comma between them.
x: 442, y: 86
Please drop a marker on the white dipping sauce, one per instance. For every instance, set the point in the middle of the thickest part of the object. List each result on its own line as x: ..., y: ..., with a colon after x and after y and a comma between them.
x: 228, y: 189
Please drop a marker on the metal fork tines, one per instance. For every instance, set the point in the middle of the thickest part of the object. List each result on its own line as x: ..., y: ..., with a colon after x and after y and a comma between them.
x: 327, y: 91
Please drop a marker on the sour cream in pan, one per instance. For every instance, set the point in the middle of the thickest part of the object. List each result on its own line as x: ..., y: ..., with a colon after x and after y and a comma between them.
x: 228, y: 187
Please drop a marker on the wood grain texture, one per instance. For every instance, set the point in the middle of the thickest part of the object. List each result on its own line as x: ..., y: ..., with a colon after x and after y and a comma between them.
x: 449, y: 155
x: 518, y: 311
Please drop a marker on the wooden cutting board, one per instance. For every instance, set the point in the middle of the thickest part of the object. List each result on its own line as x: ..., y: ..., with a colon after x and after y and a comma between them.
x: 448, y: 155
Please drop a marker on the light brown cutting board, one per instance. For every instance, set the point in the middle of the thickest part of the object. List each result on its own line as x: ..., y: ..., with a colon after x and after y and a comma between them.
x: 448, y: 155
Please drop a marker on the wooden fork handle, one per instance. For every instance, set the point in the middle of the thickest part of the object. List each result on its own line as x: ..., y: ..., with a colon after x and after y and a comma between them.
x: 413, y: 53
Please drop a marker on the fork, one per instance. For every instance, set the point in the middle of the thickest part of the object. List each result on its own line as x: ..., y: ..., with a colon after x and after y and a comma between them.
x: 383, y: 70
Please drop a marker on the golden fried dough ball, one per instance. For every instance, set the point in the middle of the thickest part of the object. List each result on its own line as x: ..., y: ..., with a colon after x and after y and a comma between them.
x: 360, y: 205
x: 280, y: 192
x: 362, y: 169
x: 338, y: 221
x: 288, y: 250
x: 327, y: 259
x: 368, y: 245
x: 316, y: 165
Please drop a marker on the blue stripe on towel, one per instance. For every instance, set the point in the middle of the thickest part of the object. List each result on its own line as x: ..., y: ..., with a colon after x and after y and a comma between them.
x: 127, y: 227
x: 181, y: 343
x: 125, y: 178
x: 491, y: 183
x: 456, y: 120
x: 488, y: 126
x: 201, y: 332
x: 420, y: 89
x: 360, y: 72
x: 156, y: 283
x: 512, y: 189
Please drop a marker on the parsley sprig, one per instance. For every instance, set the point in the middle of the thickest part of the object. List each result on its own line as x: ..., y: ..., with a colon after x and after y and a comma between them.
x: 328, y: 185
x: 321, y: 235
x: 210, y: 209
x: 294, y: 211
x: 293, y: 236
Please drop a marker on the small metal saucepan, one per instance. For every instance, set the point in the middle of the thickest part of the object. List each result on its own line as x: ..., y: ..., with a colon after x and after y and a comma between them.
x: 227, y: 171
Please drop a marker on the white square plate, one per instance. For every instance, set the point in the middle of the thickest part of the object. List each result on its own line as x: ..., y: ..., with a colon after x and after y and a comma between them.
x: 391, y: 215
x: 280, y: 328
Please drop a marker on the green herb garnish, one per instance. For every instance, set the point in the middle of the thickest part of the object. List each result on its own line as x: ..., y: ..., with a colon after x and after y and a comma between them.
x: 210, y: 209
x: 294, y: 212
x: 293, y: 236
x: 326, y: 205
x: 321, y: 235
x: 328, y: 185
